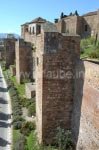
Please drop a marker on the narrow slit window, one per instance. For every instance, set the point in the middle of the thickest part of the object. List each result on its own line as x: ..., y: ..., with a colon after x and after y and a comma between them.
x: 33, y: 30
x: 26, y: 29
x: 37, y: 61
x: 30, y: 30
x: 86, y: 27
x: 38, y: 29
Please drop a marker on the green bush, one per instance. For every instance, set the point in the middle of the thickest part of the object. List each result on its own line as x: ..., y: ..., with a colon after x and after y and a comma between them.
x: 26, y: 80
x: 27, y: 127
x: 81, y: 50
x: 29, y: 124
x: 17, y: 125
x: 84, y: 44
x: 18, y: 118
x: 25, y: 102
x: 97, y: 53
x: 32, y: 109
x: 63, y: 139
x: 92, y: 54
x: 91, y: 40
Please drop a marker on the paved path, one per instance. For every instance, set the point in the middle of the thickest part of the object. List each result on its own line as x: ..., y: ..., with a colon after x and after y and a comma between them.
x: 5, y: 116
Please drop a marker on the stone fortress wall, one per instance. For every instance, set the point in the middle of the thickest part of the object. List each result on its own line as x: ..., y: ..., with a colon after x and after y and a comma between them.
x: 86, y: 25
x: 62, y: 98
x: 63, y: 101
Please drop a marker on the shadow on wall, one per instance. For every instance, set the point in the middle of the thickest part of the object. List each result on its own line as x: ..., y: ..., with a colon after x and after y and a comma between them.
x: 3, y: 101
x: 87, y: 30
x: 3, y: 89
x: 4, y: 116
x: 78, y: 95
x: 3, y: 142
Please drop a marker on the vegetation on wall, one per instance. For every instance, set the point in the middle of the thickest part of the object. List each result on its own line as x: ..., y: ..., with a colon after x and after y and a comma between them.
x: 63, y: 139
x: 89, y: 48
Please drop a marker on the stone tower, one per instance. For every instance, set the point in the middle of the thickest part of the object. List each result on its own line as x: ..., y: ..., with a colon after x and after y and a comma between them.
x: 55, y: 64
x: 23, y: 60
x: 9, y: 46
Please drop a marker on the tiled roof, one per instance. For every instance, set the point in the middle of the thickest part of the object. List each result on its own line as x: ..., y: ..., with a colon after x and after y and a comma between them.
x: 38, y: 20
x: 91, y: 13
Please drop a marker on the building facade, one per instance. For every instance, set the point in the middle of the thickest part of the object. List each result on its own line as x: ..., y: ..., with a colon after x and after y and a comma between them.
x: 85, y: 26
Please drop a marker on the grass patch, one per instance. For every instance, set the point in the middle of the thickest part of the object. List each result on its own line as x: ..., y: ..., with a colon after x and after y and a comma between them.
x: 19, y: 87
x: 31, y: 141
x: 87, y: 51
x: 16, y: 134
x: 33, y: 145
x: 89, y: 48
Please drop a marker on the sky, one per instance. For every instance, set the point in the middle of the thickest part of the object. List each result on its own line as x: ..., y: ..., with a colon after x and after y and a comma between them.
x: 13, y: 13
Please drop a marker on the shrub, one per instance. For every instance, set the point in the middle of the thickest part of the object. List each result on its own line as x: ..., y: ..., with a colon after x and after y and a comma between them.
x: 84, y: 43
x: 17, y: 125
x: 18, y: 118
x: 63, y: 139
x: 32, y: 109
x: 81, y: 50
x: 27, y: 127
x: 25, y: 102
x: 25, y: 131
x: 29, y: 124
x: 91, y: 40
x: 17, y: 113
x: 97, y: 53
x: 20, y: 143
x: 92, y: 54
x: 25, y: 80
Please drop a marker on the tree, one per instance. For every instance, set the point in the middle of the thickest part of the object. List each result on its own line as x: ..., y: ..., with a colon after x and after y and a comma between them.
x: 70, y: 14
x: 96, y: 39
x: 62, y: 15
x: 76, y: 13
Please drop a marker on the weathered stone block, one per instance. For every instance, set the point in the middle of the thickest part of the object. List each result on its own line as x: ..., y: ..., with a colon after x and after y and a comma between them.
x: 29, y: 90
x: 13, y: 70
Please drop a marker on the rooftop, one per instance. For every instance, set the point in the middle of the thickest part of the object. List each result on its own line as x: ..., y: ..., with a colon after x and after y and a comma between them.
x: 91, y: 13
x: 49, y: 27
x: 38, y: 20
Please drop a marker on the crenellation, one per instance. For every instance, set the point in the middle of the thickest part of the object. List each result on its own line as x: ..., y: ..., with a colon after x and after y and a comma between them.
x: 9, y: 51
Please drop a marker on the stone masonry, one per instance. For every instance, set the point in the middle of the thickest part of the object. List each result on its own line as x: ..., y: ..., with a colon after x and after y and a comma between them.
x: 55, y: 63
x: 9, y: 48
x: 29, y: 90
x: 86, y: 25
x: 65, y: 96
x: 23, y: 60
x: 85, y: 123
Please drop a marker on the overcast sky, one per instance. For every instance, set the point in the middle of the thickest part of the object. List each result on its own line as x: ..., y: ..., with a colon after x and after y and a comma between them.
x: 13, y: 13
